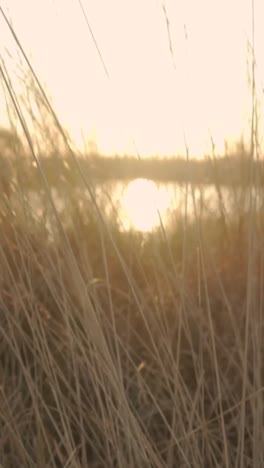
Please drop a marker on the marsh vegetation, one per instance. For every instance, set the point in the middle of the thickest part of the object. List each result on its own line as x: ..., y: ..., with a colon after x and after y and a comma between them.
x: 124, y: 347
x: 128, y: 348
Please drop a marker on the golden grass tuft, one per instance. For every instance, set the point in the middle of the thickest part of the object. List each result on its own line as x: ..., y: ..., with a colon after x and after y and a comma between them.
x: 124, y: 350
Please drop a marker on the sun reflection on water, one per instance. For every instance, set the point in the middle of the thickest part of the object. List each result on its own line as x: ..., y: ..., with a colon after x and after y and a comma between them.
x: 143, y: 204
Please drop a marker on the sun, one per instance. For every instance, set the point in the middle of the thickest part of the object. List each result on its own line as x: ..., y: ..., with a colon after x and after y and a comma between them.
x: 143, y: 205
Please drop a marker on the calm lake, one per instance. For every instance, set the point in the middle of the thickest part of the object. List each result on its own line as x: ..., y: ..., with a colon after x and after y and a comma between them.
x: 143, y: 204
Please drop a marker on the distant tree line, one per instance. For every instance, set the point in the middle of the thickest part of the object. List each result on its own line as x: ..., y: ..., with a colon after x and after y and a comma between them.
x: 235, y: 169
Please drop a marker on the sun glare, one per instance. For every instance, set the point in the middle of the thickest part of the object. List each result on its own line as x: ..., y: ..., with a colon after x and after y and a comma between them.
x: 144, y: 100
x: 144, y: 205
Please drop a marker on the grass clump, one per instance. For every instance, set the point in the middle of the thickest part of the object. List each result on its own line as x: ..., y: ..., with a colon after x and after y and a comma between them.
x: 122, y: 349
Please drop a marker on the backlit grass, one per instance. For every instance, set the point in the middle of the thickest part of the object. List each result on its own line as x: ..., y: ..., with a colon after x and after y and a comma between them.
x: 129, y: 350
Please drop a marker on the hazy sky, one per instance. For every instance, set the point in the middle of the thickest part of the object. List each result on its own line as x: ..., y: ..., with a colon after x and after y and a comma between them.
x: 145, y: 99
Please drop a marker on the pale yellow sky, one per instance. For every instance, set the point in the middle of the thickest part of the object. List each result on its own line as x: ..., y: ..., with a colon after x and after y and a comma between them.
x: 145, y: 99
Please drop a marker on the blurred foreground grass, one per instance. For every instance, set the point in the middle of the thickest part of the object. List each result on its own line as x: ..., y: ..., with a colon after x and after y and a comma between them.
x: 119, y: 349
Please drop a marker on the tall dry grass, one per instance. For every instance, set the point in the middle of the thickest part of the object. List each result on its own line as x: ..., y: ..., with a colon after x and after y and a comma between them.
x: 119, y: 349
x: 124, y: 350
